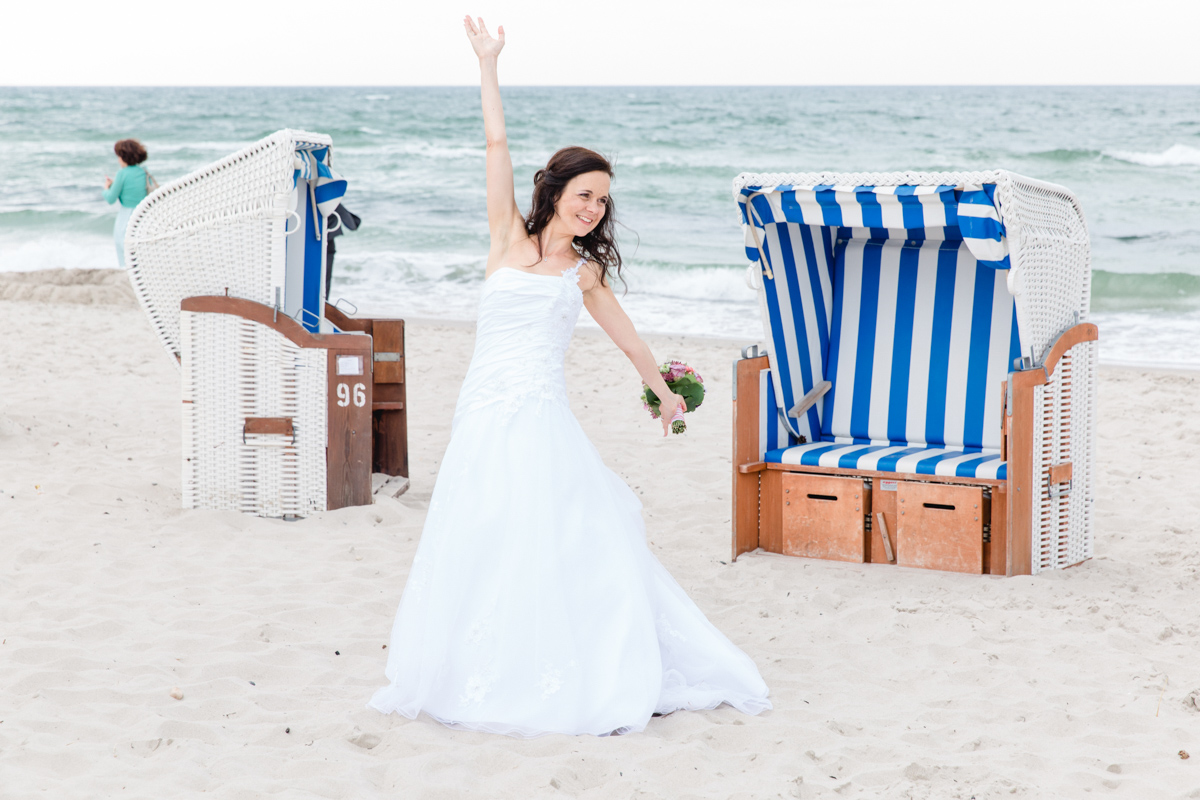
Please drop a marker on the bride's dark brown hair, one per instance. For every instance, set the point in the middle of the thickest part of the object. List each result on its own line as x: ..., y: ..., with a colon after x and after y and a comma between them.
x: 548, y: 184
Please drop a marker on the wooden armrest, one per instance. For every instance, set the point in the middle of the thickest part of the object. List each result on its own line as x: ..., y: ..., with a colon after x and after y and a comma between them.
x: 806, y: 402
x: 754, y: 466
x: 1083, y: 332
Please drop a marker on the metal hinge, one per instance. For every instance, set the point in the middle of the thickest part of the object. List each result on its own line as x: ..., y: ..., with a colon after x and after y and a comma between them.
x: 868, y: 525
x: 1057, y: 490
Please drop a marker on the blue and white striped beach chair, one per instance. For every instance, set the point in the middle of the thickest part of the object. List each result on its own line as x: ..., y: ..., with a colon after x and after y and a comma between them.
x: 927, y: 393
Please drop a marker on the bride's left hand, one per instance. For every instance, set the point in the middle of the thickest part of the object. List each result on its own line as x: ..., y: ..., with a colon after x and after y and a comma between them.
x: 667, y: 410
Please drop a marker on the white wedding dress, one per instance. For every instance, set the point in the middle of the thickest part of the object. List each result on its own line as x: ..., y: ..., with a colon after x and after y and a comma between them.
x: 533, y: 605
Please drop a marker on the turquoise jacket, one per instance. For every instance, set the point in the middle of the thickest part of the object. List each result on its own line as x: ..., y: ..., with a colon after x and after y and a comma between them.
x: 129, y: 186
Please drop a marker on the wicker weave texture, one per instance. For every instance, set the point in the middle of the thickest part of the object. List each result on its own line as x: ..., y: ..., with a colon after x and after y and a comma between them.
x: 234, y: 368
x: 1051, y: 257
x: 219, y: 229
x: 1065, y: 411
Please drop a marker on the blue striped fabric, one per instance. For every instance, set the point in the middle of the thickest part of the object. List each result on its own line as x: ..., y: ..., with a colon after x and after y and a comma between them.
x: 795, y: 310
x: 898, y: 296
x: 330, y: 188
x: 323, y: 193
x: 970, y: 210
x: 946, y: 462
x: 922, y: 338
x: 772, y: 435
x: 982, y: 230
x: 895, y: 207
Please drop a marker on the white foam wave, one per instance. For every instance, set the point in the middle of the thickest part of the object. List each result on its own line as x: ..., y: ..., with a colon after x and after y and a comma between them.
x: 1149, y: 339
x: 436, y: 151
x: 719, y: 284
x: 19, y: 254
x: 1179, y: 155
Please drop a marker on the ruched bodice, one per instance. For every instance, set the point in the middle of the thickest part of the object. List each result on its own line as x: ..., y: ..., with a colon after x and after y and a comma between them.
x: 522, y: 333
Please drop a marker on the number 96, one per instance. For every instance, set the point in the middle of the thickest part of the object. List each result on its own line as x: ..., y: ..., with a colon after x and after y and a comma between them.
x: 344, y: 395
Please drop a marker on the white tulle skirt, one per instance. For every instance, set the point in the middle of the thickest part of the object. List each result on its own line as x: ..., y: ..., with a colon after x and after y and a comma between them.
x: 534, y: 606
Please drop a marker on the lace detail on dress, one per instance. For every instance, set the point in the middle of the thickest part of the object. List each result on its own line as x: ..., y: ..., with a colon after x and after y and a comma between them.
x: 477, y: 687
x: 551, y: 680
x: 572, y: 274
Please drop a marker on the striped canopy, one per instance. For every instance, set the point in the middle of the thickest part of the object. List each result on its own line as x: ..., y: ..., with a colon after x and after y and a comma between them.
x: 898, y: 296
x: 967, y: 211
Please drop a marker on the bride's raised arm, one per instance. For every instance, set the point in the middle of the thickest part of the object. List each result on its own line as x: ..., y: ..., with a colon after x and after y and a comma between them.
x: 504, y: 218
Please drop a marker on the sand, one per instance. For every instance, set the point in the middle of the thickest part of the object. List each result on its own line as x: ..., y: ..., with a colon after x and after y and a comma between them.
x: 887, y: 682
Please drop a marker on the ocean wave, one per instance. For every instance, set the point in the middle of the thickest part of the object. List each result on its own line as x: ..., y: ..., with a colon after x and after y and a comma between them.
x: 432, y: 150
x: 21, y: 254
x: 1119, y: 291
x: 58, y: 222
x: 1178, y: 155
x: 1066, y: 155
x: 1145, y: 339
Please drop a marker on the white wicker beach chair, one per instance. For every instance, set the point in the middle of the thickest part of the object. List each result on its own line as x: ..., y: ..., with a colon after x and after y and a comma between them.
x: 928, y: 393
x: 285, y: 412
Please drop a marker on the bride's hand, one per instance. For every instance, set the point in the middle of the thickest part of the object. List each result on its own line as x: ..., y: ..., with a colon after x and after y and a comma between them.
x: 667, y: 410
x: 481, y: 41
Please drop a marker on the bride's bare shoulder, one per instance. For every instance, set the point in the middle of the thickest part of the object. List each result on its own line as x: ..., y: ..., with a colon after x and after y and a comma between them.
x: 520, y: 252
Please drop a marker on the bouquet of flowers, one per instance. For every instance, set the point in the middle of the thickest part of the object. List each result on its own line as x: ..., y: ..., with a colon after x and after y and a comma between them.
x: 683, y: 381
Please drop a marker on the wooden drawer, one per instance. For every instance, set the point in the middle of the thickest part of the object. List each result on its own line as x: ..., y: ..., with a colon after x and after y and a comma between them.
x: 823, y: 517
x: 940, y: 526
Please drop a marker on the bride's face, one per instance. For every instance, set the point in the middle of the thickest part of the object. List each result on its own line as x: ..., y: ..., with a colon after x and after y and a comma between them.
x: 583, y: 202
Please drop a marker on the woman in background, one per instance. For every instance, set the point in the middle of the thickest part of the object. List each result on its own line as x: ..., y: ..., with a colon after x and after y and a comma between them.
x: 130, y: 186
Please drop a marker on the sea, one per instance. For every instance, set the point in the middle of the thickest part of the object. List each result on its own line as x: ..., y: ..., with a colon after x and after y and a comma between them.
x: 414, y: 159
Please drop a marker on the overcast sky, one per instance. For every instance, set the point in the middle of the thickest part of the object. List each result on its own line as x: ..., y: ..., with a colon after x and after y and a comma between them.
x: 621, y: 42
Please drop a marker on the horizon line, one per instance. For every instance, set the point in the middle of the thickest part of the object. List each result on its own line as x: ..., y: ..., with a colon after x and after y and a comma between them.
x: 607, y: 86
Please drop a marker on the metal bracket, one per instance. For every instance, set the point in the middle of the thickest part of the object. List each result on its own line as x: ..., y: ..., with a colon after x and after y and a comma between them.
x: 1056, y: 490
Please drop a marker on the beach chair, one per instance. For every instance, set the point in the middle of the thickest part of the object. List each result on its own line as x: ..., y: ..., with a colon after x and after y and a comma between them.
x: 289, y: 404
x: 927, y: 394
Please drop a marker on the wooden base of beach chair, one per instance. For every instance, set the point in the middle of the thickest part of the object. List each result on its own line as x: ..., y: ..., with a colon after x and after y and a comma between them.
x: 810, y: 513
x: 389, y: 412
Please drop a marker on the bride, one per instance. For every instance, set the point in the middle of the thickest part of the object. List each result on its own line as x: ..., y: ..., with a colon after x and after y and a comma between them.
x: 533, y: 605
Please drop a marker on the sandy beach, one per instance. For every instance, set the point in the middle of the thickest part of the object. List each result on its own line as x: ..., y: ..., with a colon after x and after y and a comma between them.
x: 886, y: 682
